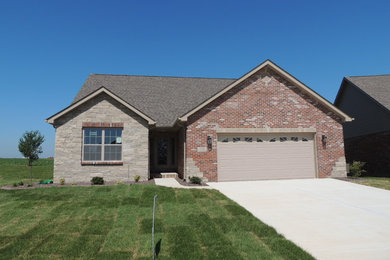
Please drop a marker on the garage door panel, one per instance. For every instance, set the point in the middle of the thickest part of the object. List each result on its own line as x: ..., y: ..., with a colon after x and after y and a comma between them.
x: 266, y: 154
x: 263, y: 166
x: 242, y: 160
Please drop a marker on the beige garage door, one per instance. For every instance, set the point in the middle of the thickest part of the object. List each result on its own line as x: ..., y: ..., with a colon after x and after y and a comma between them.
x: 265, y: 156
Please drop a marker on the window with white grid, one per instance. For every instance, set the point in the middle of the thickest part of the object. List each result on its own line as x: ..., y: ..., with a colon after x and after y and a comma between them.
x: 102, y: 144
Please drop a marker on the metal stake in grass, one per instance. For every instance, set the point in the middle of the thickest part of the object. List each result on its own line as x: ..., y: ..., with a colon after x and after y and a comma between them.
x: 154, y: 214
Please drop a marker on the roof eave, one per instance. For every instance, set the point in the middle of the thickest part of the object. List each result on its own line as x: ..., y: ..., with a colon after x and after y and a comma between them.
x: 341, y: 91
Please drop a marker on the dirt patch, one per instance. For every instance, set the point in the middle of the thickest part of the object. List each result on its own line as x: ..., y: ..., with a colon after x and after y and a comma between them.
x: 79, y: 184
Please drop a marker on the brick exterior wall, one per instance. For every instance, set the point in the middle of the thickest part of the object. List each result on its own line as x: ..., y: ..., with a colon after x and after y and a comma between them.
x: 102, y: 111
x: 265, y: 100
x: 374, y: 149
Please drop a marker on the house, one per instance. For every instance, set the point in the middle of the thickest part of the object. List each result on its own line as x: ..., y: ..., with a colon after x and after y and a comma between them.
x: 264, y: 125
x: 367, y: 138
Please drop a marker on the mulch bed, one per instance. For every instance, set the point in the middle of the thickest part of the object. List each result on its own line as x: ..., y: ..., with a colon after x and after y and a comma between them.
x: 79, y: 184
x: 185, y: 183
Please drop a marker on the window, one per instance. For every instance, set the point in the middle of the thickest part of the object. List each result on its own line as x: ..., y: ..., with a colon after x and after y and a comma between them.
x: 102, y: 144
x: 273, y: 140
x: 248, y: 139
x: 304, y: 139
x: 259, y: 140
x: 283, y: 139
x: 294, y: 138
x: 236, y: 139
x: 225, y: 140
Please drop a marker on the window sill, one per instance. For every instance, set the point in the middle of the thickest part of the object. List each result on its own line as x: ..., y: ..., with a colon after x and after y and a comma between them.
x: 101, y: 163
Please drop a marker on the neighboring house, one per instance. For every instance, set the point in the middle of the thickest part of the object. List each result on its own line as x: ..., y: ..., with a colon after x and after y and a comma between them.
x: 367, y: 138
x: 264, y: 125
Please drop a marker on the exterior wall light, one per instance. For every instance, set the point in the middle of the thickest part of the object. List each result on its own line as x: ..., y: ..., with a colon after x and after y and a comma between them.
x: 209, y: 143
x: 324, y: 138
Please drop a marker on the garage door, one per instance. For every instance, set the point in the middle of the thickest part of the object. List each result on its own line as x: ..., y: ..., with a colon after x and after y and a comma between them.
x: 265, y: 156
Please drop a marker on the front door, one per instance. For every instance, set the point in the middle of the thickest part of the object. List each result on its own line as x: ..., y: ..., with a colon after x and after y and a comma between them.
x: 163, y: 152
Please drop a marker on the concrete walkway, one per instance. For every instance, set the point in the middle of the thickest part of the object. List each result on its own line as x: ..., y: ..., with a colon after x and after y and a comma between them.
x: 171, y: 182
x: 331, y: 219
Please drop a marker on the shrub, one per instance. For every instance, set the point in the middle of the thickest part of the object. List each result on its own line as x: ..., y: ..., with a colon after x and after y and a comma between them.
x: 356, y: 169
x: 62, y: 181
x: 97, y: 181
x: 15, y: 184
x: 136, y: 178
x: 21, y: 183
x: 74, y: 183
x: 119, y: 182
x: 195, y: 180
x: 40, y: 181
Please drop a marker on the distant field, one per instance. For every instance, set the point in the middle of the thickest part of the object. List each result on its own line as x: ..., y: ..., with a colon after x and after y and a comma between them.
x: 19, y: 161
x: 16, y: 170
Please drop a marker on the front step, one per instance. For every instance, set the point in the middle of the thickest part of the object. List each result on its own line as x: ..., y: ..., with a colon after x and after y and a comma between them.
x: 169, y: 175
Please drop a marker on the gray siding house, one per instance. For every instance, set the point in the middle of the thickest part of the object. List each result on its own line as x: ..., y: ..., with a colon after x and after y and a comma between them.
x: 367, y: 137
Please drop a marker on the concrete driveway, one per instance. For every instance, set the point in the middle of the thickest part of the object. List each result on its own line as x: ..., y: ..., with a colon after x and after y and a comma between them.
x: 331, y: 219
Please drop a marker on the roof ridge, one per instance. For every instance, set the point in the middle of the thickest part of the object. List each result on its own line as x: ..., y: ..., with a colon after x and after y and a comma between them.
x: 158, y: 76
x: 368, y: 76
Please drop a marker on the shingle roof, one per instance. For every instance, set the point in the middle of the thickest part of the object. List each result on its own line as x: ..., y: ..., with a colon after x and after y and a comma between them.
x: 164, y: 99
x: 378, y: 87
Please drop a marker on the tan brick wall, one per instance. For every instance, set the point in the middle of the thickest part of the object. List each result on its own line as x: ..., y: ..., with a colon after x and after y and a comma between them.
x: 135, y: 139
x: 265, y: 100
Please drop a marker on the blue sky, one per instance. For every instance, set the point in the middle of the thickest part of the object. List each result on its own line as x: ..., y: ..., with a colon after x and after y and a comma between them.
x: 48, y: 48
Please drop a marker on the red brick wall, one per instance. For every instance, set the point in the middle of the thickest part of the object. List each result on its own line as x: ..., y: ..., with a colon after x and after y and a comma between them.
x: 263, y: 100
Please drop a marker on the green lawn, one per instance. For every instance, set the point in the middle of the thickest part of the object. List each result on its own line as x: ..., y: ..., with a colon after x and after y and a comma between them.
x: 378, y: 182
x: 114, y: 222
x: 15, y: 170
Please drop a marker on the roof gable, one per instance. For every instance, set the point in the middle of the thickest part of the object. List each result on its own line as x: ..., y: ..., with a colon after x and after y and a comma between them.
x: 74, y: 105
x: 284, y: 74
x: 375, y: 87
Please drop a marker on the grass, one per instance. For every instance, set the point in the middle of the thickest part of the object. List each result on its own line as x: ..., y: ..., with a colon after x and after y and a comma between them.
x: 16, y: 170
x: 114, y: 222
x: 378, y: 182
